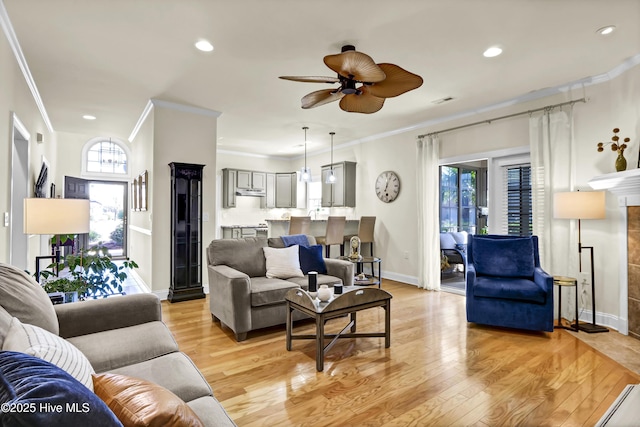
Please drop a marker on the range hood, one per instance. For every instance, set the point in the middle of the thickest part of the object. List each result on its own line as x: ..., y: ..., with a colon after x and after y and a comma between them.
x: 253, y: 192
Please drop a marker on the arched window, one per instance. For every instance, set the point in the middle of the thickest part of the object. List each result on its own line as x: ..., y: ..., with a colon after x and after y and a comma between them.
x: 105, y: 156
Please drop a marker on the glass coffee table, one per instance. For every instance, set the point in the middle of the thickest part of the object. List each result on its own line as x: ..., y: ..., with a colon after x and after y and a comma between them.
x: 352, y: 300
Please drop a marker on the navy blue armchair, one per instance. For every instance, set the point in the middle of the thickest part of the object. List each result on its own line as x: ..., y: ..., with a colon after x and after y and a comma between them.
x: 505, y: 284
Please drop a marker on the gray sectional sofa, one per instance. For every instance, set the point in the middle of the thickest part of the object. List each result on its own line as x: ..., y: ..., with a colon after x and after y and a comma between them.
x: 242, y: 298
x: 121, y: 335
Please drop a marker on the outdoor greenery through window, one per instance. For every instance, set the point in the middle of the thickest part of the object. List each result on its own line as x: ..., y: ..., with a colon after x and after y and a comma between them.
x: 458, y: 199
x: 106, y: 157
x: 519, y: 203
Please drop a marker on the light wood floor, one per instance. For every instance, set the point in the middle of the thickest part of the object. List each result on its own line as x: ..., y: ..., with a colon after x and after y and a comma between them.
x: 439, y: 370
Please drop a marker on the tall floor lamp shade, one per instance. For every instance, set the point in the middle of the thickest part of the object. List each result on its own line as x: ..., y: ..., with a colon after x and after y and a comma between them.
x: 582, y: 205
x: 55, y: 217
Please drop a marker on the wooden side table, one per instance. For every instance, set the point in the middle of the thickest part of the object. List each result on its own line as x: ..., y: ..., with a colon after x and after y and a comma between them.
x: 562, y: 281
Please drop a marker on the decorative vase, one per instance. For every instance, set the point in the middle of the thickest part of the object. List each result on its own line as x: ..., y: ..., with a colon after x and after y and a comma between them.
x: 324, y: 293
x: 621, y: 163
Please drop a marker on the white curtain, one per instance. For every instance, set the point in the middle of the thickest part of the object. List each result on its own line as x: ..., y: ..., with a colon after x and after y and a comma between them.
x: 553, y: 167
x: 428, y: 154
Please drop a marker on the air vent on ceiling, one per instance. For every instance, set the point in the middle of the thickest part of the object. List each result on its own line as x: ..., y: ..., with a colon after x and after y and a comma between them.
x: 443, y: 100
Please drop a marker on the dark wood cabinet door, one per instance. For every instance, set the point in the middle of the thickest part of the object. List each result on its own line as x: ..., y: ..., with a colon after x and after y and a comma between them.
x: 186, y: 232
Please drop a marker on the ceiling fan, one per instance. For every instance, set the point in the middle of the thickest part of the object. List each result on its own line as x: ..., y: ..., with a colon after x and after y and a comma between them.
x: 364, y: 85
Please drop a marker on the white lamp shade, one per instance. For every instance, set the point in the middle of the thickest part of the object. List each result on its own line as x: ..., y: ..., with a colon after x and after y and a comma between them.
x: 56, y: 216
x: 579, y: 205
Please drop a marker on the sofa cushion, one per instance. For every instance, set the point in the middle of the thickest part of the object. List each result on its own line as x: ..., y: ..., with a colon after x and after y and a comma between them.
x: 25, y: 299
x: 29, y: 382
x: 5, y: 323
x: 276, y: 242
x: 266, y: 291
x: 323, y: 279
x: 174, y: 371
x: 509, y: 288
x: 312, y: 259
x: 508, y: 257
x: 38, y: 342
x: 120, y: 347
x: 137, y: 402
x: 211, y: 412
x: 244, y: 255
x: 447, y: 241
x: 295, y: 239
x: 282, y: 263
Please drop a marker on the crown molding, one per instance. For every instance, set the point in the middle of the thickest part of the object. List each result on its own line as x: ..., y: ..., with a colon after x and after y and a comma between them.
x: 5, y: 22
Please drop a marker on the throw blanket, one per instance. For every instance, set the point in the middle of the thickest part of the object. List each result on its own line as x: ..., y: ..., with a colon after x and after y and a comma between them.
x: 295, y: 239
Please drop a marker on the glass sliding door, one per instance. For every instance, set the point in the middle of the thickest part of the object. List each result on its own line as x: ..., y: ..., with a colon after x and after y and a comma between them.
x: 458, y: 199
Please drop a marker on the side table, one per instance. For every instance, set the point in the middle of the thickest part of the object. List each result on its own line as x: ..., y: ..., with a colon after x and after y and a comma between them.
x: 373, y: 278
x: 562, y: 281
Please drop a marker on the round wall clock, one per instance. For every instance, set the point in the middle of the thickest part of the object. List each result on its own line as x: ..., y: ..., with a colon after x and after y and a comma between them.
x: 387, y: 186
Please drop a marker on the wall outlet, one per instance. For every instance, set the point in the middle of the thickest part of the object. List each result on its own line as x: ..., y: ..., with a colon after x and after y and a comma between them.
x: 6, y: 219
x: 406, y: 254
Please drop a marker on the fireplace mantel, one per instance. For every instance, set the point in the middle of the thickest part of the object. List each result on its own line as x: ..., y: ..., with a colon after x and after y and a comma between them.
x: 622, y: 184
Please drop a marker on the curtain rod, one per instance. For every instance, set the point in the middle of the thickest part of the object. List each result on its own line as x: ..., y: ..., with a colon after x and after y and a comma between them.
x: 508, y: 116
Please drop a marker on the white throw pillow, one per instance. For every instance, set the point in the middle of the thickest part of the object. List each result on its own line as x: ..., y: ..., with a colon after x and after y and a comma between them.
x: 282, y: 263
x: 40, y: 343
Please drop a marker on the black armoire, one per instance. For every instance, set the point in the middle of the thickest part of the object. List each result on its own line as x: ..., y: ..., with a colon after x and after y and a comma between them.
x: 186, y: 232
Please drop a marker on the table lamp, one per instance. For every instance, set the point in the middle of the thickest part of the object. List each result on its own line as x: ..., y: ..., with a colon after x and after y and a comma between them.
x: 582, y: 205
x: 56, y: 217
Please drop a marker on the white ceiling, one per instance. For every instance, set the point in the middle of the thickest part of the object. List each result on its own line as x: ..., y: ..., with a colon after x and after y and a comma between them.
x: 109, y: 57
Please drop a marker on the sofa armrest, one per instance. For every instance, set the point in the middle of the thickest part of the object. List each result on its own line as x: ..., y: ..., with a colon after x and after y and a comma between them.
x: 230, y: 297
x: 340, y: 268
x: 471, y: 279
x: 543, y: 279
x: 88, y: 317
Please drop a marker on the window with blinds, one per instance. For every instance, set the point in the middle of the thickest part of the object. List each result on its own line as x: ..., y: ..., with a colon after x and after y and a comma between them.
x: 518, y: 202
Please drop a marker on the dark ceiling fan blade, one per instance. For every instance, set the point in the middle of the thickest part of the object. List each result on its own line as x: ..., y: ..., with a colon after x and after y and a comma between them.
x: 320, y: 97
x: 355, y: 65
x: 311, y: 79
x: 398, y: 81
x: 361, y: 103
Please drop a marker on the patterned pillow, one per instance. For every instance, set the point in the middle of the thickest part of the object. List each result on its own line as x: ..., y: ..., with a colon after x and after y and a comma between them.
x: 37, y: 342
x: 282, y: 263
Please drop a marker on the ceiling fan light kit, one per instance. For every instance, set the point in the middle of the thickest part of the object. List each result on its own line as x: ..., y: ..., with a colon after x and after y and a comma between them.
x: 364, y: 85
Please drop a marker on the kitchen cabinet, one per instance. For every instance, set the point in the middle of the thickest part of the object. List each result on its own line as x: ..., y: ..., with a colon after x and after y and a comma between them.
x: 269, y: 201
x: 229, y: 178
x: 342, y: 193
x: 250, y: 180
x: 289, y: 192
x: 186, y: 232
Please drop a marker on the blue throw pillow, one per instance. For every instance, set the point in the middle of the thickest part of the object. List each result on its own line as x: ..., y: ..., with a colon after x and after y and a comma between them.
x: 34, y: 392
x: 295, y: 239
x: 508, y: 257
x: 311, y: 259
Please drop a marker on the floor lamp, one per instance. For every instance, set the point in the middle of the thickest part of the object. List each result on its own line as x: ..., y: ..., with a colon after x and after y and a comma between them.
x: 55, y: 217
x: 582, y: 205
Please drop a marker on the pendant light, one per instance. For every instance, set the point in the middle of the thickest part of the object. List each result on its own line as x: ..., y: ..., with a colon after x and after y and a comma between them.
x: 305, y: 172
x: 331, y: 177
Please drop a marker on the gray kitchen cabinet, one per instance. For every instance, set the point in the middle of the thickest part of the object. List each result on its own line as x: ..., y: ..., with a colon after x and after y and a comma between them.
x: 250, y: 180
x: 342, y: 193
x: 258, y: 180
x: 290, y: 193
x: 243, y: 180
x: 269, y: 201
x: 229, y: 178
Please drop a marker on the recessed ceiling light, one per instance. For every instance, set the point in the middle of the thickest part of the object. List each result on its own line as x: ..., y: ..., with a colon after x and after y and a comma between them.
x: 204, y: 46
x: 89, y: 117
x: 606, y: 30
x: 492, y: 51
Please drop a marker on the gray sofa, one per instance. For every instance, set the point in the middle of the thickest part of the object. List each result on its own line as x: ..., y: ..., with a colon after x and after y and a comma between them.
x: 242, y: 298
x: 121, y: 335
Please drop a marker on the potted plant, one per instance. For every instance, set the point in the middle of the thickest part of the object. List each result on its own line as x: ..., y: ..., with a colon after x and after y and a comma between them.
x: 91, y: 274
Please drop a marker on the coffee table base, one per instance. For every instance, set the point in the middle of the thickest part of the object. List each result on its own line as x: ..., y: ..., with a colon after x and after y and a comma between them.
x: 323, y: 317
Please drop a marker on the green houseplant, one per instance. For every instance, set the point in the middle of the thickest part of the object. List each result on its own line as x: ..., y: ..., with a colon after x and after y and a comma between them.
x: 91, y: 273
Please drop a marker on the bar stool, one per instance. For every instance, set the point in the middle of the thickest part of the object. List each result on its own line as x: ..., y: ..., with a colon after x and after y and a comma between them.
x: 366, y: 228
x: 299, y: 225
x: 334, y: 234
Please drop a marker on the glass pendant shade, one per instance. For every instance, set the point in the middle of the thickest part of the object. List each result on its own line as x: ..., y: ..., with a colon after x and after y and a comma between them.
x: 331, y: 177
